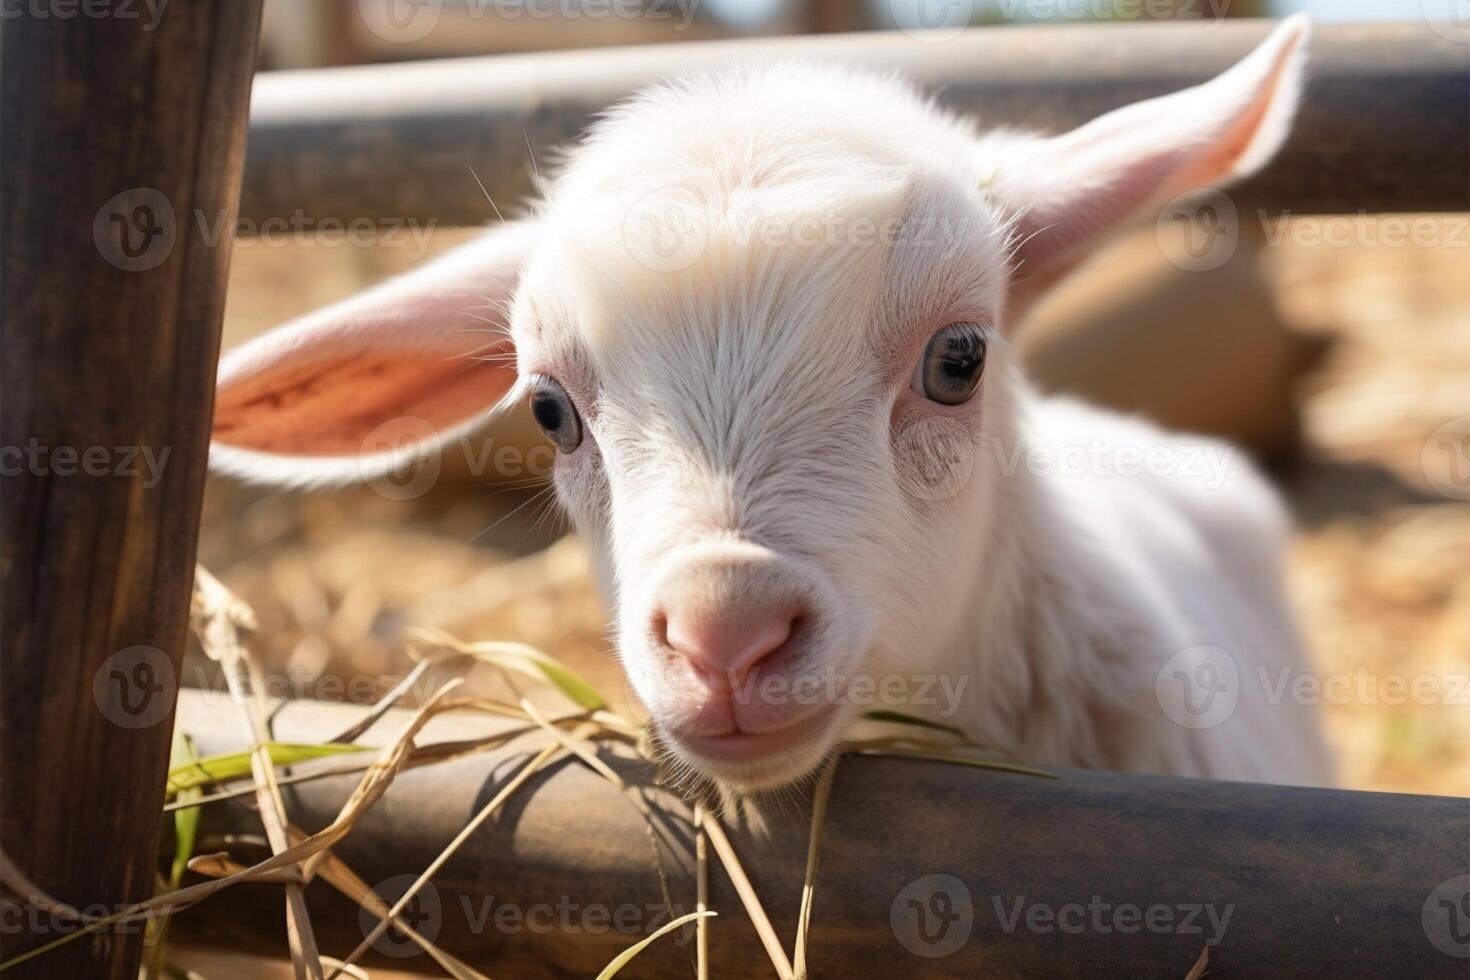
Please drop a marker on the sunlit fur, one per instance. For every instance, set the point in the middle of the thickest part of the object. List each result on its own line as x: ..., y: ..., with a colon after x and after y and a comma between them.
x: 755, y: 393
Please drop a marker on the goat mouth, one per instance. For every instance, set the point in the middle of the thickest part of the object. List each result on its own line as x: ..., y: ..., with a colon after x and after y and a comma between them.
x: 743, y: 747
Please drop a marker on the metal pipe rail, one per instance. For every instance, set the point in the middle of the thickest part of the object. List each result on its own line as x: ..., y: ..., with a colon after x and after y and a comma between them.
x: 927, y: 870
x: 1385, y: 124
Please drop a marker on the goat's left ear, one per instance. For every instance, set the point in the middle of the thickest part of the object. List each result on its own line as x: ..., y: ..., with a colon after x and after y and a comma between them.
x: 353, y: 390
x: 1068, y: 192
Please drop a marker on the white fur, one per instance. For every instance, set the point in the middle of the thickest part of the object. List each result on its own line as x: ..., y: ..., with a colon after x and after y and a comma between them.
x: 748, y: 404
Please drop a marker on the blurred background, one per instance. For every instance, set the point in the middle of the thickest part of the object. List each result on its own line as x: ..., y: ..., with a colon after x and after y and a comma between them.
x: 1338, y: 351
x: 311, y: 33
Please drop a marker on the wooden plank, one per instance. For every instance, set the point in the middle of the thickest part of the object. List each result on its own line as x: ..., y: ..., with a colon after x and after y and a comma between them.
x: 123, y: 128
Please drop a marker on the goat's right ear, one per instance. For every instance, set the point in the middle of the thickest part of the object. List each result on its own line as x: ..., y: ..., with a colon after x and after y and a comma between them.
x: 350, y: 391
x: 1067, y: 193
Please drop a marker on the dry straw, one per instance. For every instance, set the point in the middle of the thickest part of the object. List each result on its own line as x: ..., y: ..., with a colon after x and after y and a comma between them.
x: 223, y: 622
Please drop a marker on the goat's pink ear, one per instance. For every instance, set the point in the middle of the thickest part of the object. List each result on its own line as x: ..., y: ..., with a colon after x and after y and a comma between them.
x: 347, y: 392
x: 1068, y: 192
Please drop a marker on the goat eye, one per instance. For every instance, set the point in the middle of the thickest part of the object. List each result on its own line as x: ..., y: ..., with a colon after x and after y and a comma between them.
x: 950, y: 370
x: 556, y: 415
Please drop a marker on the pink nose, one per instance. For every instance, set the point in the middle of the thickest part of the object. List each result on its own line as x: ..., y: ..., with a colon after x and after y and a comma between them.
x: 728, y: 642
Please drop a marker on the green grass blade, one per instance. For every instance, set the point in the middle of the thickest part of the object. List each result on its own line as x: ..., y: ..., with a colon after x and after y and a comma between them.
x: 934, y: 755
x: 899, y: 718
x: 186, y: 821
x: 626, y: 956
x: 526, y: 661
x: 235, y: 765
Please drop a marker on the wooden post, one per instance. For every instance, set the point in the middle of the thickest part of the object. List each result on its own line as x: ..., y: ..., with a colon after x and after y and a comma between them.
x: 124, y: 144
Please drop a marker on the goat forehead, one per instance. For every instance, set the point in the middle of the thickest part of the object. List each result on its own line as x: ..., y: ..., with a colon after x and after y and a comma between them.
x: 731, y: 386
x: 758, y: 125
x: 757, y: 276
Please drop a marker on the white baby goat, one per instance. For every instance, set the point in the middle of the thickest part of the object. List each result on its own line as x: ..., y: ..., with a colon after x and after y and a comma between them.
x: 763, y: 314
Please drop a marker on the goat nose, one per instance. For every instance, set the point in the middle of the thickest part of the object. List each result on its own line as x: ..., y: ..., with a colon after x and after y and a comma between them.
x: 727, y: 643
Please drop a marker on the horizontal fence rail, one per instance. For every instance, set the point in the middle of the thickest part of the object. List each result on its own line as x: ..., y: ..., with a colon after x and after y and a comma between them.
x: 1385, y: 125
x: 926, y: 870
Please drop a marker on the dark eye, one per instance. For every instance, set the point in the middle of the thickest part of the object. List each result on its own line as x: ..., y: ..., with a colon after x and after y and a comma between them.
x: 950, y: 370
x: 555, y: 413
